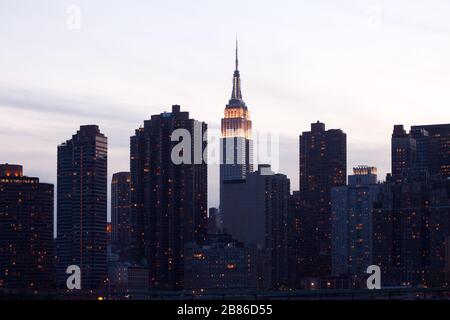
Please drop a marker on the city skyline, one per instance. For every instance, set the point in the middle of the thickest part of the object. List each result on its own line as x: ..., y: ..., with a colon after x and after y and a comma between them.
x: 88, y: 76
x: 240, y: 150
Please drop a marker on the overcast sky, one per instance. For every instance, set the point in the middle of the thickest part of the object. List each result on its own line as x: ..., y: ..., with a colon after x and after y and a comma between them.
x: 361, y: 66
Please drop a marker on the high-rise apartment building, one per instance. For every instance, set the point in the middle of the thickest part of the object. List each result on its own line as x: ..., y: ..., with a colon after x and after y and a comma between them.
x: 169, y: 197
x: 424, y: 150
x: 403, y: 152
x: 256, y: 213
x: 351, y: 232
x: 411, y: 231
x: 26, y: 232
x: 121, y: 213
x: 82, y: 207
x: 323, y: 165
x: 439, y: 147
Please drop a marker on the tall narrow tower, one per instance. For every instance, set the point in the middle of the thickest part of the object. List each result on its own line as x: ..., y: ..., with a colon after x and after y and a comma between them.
x: 82, y: 207
x: 236, y: 142
x: 323, y: 165
x: 169, y: 200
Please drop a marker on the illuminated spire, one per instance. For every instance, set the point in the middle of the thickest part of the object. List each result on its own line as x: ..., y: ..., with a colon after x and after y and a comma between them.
x: 237, y: 58
x: 236, y: 94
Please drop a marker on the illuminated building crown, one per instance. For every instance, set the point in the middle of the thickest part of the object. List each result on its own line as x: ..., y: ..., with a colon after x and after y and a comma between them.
x: 236, y: 122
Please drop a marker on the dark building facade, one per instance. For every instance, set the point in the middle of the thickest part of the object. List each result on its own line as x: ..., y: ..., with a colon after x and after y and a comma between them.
x: 256, y: 213
x: 352, y: 230
x: 410, y: 218
x: 425, y: 149
x: 223, y: 264
x: 215, y: 221
x: 169, y: 200
x: 26, y: 232
x: 323, y: 165
x: 411, y: 231
x: 294, y: 233
x: 438, y: 147
x: 128, y: 280
x: 82, y: 207
x: 403, y: 152
x: 121, y: 213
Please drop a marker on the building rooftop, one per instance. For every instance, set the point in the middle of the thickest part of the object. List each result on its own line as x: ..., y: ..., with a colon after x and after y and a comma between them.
x: 11, y: 170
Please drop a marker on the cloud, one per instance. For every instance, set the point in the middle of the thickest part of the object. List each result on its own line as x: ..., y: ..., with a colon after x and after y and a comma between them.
x: 78, y: 106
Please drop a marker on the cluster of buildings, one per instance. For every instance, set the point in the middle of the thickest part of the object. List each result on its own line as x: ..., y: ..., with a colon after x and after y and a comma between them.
x: 264, y: 236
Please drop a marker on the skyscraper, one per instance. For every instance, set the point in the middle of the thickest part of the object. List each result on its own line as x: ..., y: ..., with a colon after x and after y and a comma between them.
x: 411, y: 231
x: 440, y: 147
x: 121, y: 213
x: 82, y: 207
x: 169, y: 200
x: 424, y: 150
x: 411, y: 216
x: 236, y: 142
x: 403, y: 152
x: 351, y: 208
x: 294, y: 233
x: 323, y: 165
x: 26, y: 232
x: 256, y: 211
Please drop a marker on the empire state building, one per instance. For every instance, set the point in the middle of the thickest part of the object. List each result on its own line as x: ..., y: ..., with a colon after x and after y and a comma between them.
x: 236, y: 142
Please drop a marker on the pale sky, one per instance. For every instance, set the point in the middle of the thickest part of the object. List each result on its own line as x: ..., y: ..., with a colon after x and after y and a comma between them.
x: 361, y: 66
